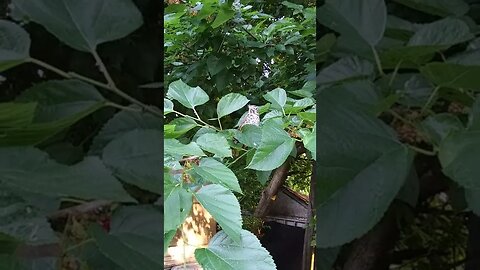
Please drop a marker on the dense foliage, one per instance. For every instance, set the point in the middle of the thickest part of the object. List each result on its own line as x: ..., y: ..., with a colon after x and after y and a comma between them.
x: 399, y: 112
x: 80, y: 183
x: 219, y: 57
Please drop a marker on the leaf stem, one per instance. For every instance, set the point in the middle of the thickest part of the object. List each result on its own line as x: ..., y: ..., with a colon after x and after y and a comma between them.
x: 73, y: 75
x: 49, y: 67
x: 239, y: 157
x: 220, y: 123
x: 399, y: 117
x: 121, y: 107
x: 377, y: 61
x: 422, y: 151
x: 195, y: 119
x: 430, y: 99
x: 103, y: 69
x: 395, y: 72
x: 79, y: 245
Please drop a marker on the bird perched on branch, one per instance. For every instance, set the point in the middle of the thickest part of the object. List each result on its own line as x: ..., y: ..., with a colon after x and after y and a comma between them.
x: 252, y: 117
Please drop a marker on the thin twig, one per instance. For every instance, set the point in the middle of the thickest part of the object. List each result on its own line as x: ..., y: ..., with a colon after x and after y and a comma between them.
x: 377, y: 61
x: 220, y: 124
x: 79, y: 209
x: 103, y: 69
x: 422, y: 151
x: 71, y: 248
x: 395, y: 72
x: 73, y: 75
x: 195, y: 119
x: 121, y: 107
x: 430, y: 99
x: 239, y: 157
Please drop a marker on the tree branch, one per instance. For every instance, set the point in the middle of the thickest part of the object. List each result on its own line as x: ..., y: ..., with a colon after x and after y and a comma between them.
x: 370, y: 251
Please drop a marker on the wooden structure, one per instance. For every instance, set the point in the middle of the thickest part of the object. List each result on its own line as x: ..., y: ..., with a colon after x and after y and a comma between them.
x: 198, y: 229
x: 288, y: 208
x: 286, y: 220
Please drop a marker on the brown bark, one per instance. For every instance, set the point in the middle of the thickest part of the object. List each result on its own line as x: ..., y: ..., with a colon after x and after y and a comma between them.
x: 80, y: 209
x: 278, y: 178
x: 368, y: 252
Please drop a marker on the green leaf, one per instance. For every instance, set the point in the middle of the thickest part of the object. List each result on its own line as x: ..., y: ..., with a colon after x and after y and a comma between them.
x: 324, y: 46
x: 452, y: 75
x: 141, y: 220
x: 362, y: 91
x: 227, y: 254
x: 14, y: 262
x: 230, y: 103
x: 343, y: 120
x: 134, y: 239
x: 167, y: 239
x: 135, y: 157
x: 180, y: 126
x: 458, y: 155
x: 360, y: 204
x: 121, y: 123
x: 58, y: 99
x: 358, y: 180
x: 167, y: 106
x: 14, y: 45
x: 224, y: 208
x: 306, y: 91
x: 223, y: 16
x: 445, y: 32
x: 438, y: 7
x: 250, y: 135
x: 189, y: 97
x: 274, y: 148
x: 466, y: 58
x: 177, y: 204
x: 10, y: 262
x: 364, y: 20
x: 65, y: 152
x: 408, y: 57
x: 30, y: 170
x: 308, y: 116
x: 175, y: 148
x: 129, y: 251
x: 310, y: 142
x: 8, y: 244
x: 278, y: 98
x: 23, y: 221
x: 16, y: 114
x: 83, y: 25
x: 217, y: 173
x: 263, y: 176
x: 416, y: 91
x: 60, y: 104
x: 292, y: 5
x: 216, y: 144
x: 438, y: 126
x: 347, y: 68
x: 216, y: 64
x: 472, y: 196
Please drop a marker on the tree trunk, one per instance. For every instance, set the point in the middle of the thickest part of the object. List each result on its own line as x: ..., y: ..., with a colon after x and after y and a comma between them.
x: 369, y: 252
x: 278, y: 178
